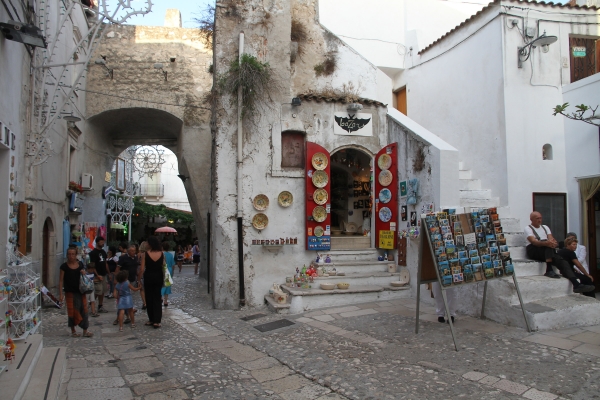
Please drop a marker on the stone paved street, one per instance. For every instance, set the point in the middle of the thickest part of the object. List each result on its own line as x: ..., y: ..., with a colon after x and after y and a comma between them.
x: 369, y: 351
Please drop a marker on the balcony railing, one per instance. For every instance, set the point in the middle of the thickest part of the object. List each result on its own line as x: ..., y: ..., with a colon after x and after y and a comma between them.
x: 152, y: 190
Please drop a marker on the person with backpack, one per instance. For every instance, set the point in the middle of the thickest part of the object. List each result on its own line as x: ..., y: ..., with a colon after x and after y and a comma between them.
x: 542, y: 247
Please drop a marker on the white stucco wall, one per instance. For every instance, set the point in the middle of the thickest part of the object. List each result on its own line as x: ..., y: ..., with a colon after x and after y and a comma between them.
x: 581, y: 146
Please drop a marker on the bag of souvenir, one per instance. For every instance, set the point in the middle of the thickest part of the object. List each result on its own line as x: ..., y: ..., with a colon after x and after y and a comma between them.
x: 86, y: 285
x: 167, y: 281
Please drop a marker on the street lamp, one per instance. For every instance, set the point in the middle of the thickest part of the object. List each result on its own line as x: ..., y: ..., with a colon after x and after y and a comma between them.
x: 525, y: 51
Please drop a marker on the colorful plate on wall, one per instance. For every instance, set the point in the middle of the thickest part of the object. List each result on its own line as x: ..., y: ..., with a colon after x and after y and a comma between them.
x: 384, y: 161
x: 320, y: 179
x: 319, y: 161
x: 319, y: 214
x: 385, y: 177
x: 385, y: 195
x: 260, y: 221
x: 385, y: 214
x: 319, y: 231
x: 260, y: 202
x: 285, y: 199
x: 320, y: 196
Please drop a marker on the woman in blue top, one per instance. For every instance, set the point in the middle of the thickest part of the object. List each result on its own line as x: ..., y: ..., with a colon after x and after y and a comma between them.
x: 170, y: 260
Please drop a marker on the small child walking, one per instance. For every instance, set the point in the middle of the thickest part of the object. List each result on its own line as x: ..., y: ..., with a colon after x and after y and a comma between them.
x: 123, y: 295
x: 90, y: 297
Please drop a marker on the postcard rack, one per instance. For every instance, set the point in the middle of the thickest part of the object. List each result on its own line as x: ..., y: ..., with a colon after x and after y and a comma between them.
x: 447, y: 255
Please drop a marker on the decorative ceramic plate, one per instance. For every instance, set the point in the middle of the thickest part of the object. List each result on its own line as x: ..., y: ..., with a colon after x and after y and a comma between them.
x: 385, y: 195
x: 285, y: 199
x: 320, y: 196
x: 384, y: 161
x: 385, y: 177
x: 319, y: 214
x: 319, y: 231
x: 385, y: 214
x: 260, y: 221
x: 320, y: 179
x: 261, y: 202
x: 319, y: 161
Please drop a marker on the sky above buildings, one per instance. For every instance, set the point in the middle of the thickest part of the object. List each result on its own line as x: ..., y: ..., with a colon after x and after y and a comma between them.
x: 189, y: 9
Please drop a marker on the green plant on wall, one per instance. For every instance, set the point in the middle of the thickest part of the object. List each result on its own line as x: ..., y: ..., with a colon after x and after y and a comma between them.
x: 579, y: 114
x: 256, y: 80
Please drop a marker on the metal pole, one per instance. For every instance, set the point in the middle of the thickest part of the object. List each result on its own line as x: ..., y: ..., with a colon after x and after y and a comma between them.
x: 449, y: 318
x: 483, y: 302
x: 521, y: 301
x: 208, y: 251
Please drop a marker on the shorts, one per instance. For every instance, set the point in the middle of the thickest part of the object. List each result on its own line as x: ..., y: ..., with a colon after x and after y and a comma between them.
x: 90, y: 298
x: 196, y: 258
x: 101, y: 288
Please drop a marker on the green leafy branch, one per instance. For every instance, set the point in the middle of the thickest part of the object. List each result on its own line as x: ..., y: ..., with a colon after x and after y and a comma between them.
x: 579, y: 114
x: 146, y: 210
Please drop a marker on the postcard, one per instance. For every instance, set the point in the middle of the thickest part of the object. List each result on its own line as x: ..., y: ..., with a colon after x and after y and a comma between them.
x: 442, y: 257
x: 446, y: 230
x: 486, y: 258
x: 444, y: 222
x: 462, y: 254
x: 473, y: 253
x: 475, y: 260
x: 484, y: 219
x: 494, y: 250
x: 457, y: 278
x: 447, y: 280
x: 503, y: 248
x: 509, y: 269
x: 488, y: 272
x: 464, y: 261
x: 471, y: 246
x: 448, y: 237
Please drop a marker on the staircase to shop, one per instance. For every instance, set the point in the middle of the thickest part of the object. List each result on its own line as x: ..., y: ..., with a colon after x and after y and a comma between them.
x: 369, y: 281
x: 549, y: 303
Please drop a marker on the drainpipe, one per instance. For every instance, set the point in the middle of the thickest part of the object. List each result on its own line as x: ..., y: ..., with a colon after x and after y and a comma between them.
x: 240, y: 212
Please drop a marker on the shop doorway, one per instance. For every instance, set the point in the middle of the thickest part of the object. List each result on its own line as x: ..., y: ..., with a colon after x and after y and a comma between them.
x: 593, y: 225
x: 351, y: 199
x: 47, y: 235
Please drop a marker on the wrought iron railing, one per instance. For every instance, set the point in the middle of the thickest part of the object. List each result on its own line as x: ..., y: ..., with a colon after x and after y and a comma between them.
x: 152, y: 189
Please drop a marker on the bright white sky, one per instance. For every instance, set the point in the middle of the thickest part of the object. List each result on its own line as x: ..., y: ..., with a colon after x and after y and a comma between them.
x: 189, y: 9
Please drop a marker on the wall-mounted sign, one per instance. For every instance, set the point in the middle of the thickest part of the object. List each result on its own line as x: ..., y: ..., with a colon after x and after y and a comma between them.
x: 579, y: 51
x: 359, y: 124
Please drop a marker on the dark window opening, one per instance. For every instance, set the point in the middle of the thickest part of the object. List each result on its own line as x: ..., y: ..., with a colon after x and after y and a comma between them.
x: 553, y: 207
x: 292, y: 149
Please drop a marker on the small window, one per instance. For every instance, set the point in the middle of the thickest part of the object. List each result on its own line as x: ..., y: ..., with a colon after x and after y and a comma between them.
x: 553, y: 207
x: 292, y: 149
x: 547, y: 152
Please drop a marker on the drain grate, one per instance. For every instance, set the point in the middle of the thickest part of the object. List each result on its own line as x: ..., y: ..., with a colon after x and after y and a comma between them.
x: 132, y: 338
x: 155, y: 374
x: 254, y: 316
x: 141, y: 347
x: 271, y: 326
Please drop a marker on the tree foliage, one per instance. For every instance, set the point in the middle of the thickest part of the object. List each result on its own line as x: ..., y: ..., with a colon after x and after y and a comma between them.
x: 150, y: 211
x: 579, y: 114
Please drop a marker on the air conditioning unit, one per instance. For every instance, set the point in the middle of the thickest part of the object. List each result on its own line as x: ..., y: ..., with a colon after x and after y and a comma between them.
x: 87, y: 181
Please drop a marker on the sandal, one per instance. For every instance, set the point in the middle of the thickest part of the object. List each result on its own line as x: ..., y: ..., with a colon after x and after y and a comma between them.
x: 75, y: 334
x: 121, y: 329
x: 156, y: 326
x: 166, y: 304
x: 148, y: 323
x: 87, y: 334
x: 133, y: 326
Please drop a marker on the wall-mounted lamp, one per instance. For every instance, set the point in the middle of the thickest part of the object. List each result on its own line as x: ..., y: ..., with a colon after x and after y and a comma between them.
x: 71, y: 118
x: 296, y: 101
x: 159, y: 66
x: 183, y: 178
x: 102, y: 62
x: 525, y: 51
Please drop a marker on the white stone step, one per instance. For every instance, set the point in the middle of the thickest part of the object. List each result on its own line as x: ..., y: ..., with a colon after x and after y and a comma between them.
x: 352, y: 242
x: 302, y: 300
x: 524, y: 267
x: 511, y: 225
x: 358, y: 266
x: 368, y: 254
x: 469, y: 184
x: 465, y: 174
x: 15, y: 378
x: 503, y: 212
x: 360, y: 278
x: 479, y: 194
x: 515, y: 239
x: 517, y: 252
x: 461, y: 165
x: 561, y: 312
x: 276, y: 307
x: 47, y: 374
x: 493, y: 202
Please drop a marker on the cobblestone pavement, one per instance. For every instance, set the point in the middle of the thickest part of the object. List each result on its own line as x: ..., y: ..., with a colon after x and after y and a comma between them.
x: 368, y: 351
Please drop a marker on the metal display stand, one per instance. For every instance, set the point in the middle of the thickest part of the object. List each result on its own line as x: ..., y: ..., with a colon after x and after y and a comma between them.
x: 429, y: 272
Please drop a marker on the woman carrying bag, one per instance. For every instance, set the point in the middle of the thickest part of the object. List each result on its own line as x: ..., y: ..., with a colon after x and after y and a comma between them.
x: 170, y: 262
x: 71, y: 274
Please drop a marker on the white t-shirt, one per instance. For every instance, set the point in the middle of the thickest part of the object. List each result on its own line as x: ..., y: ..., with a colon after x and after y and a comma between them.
x: 581, y: 253
x: 540, y: 231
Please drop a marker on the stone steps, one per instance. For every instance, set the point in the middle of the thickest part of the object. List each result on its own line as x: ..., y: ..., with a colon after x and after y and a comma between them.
x: 469, y: 184
x: 475, y: 194
x: 561, y: 312
x: 47, y: 374
x: 481, y: 203
x: 524, y: 267
x: 511, y: 225
x: 350, y: 242
x: 361, y: 278
x: 17, y: 375
x: 517, y: 252
x: 358, y: 266
x: 365, y: 254
x: 302, y: 300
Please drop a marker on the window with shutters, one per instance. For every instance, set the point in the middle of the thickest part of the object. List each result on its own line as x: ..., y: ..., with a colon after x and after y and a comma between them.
x: 585, y: 57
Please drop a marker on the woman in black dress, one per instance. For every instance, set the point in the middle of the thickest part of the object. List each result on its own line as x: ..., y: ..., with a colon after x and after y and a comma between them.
x: 77, y: 308
x: 152, y: 271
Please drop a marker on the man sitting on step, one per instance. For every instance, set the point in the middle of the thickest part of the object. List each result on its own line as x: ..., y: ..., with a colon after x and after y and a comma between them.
x: 542, y: 247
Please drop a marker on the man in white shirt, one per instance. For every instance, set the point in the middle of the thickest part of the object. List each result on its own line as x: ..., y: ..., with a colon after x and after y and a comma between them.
x: 581, y: 253
x: 541, y: 247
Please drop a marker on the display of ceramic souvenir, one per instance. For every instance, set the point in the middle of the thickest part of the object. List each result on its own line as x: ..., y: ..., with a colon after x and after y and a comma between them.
x: 260, y: 202
x: 320, y: 179
x: 260, y: 221
x: 319, y: 231
x: 285, y: 199
x: 319, y: 214
x: 385, y: 195
x: 385, y: 214
x: 319, y: 161
x: 320, y: 196
x: 385, y: 178
x: 384, y: 161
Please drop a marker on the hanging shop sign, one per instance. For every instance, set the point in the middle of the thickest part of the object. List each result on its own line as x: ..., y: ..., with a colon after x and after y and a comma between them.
x: 318, y: 198
x: 359, y: 124
x: 386, y: 197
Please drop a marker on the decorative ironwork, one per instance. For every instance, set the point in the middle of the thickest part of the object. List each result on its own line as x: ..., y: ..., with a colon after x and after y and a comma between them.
x: 121, y: 204
x: 147, y: 160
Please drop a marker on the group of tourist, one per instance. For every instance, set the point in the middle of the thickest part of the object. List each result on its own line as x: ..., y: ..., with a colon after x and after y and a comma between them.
x: 118, y: 274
